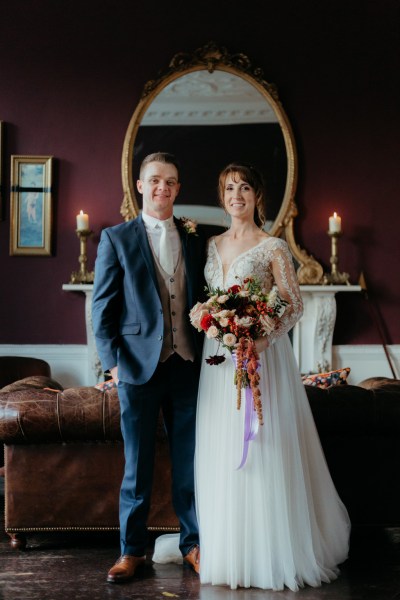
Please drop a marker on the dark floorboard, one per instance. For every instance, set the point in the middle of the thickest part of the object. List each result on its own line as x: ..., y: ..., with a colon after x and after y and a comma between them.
x: 60, y: 566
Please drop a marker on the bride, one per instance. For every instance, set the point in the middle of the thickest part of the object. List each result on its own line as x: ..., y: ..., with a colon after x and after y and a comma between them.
x: 278, y: 520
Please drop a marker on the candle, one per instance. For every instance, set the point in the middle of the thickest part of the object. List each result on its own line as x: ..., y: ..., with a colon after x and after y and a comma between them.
x: 335, y: 224
x: 82, y: 221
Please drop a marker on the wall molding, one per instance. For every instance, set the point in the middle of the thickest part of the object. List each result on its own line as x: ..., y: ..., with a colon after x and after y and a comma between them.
x: 70, y: 363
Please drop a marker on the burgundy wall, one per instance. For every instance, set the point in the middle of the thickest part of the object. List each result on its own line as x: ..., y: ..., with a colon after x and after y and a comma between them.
x: 71, y: 74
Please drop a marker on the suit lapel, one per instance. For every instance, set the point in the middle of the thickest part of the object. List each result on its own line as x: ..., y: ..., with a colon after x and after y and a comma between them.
x: 187, y: 257
x: 145, y: 249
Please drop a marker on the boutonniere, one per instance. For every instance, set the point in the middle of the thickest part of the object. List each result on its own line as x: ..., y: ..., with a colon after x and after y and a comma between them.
x: 189, y: 225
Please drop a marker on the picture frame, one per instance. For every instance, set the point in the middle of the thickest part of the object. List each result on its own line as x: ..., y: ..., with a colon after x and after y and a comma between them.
x: 31, y: 205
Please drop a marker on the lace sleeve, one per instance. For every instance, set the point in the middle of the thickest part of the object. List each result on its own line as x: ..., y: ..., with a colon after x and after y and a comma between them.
x: 285, y: 280
x: 211, y: 270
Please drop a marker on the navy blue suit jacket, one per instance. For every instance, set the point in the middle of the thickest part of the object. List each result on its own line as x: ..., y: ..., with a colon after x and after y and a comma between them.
x: 127, y: 313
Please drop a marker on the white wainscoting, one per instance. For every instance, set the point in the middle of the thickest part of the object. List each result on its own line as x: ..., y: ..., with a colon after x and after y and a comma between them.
x: 366, y: 361
x: 70, y: 364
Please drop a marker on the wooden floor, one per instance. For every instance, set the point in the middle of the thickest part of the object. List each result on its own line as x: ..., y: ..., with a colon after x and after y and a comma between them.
x: 62, y: 566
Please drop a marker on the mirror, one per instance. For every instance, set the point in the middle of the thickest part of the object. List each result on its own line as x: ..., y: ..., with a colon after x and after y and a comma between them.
x: 211, y: 108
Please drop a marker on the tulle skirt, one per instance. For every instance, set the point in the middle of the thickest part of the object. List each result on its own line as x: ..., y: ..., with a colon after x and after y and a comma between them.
x: 278, y: 521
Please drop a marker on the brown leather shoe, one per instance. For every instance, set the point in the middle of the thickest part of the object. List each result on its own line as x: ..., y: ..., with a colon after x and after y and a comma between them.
x: 125, y: 568
x: 192, y: 558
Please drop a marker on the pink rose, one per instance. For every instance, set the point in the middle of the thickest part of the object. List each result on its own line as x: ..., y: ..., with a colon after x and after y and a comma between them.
x: 198, y: 311
x: 212, y: 332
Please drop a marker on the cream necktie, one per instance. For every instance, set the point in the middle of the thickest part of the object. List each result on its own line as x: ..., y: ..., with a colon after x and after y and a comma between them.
x: 166, y: 257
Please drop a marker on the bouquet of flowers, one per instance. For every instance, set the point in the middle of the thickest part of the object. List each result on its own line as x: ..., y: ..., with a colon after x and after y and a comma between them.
x: 235, y: 318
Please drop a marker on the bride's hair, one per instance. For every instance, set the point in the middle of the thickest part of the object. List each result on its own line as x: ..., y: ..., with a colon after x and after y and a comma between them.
x: 251, y: 176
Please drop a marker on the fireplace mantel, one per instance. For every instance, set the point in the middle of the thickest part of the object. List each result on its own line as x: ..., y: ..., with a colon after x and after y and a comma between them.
x: 95, y: 372
x: 312, y: 335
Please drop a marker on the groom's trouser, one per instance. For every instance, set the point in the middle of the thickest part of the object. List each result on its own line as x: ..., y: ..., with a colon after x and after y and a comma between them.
x: 173, y: 387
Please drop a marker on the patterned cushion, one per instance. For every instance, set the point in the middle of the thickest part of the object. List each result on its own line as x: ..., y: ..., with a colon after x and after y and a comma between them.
x: 325, y: 380
x: 106, y: 385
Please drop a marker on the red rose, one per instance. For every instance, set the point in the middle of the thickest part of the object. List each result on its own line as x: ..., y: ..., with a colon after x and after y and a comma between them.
x: 206, y: 322
x: 235, y: 289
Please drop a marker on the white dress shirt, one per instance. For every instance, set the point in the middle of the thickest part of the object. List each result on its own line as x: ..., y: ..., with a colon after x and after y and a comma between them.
x: 153, y: 231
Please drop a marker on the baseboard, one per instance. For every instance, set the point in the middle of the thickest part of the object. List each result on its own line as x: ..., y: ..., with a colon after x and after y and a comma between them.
x: 70, y: 363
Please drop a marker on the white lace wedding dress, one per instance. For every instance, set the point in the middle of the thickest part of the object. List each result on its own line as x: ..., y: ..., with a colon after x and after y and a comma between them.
x: 278, y: 521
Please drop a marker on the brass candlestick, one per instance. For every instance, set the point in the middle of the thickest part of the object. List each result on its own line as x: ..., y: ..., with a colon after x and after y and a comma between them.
x: 83, y: 275
x: 335, y: 277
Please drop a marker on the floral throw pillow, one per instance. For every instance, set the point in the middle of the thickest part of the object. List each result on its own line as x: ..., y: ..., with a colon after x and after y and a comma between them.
x: 106, y: 385
x: 325, y: 380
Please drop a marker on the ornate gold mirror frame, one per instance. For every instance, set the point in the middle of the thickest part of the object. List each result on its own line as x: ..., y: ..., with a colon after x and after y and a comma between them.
x: 213, y: 58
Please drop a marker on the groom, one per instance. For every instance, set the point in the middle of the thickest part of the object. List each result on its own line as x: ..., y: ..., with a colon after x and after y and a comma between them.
x: 149, y: 273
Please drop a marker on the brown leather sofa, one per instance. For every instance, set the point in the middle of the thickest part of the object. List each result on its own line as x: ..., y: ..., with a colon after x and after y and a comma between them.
x: 64, y: 461
x: 13, y: 368
x: 64, y: 456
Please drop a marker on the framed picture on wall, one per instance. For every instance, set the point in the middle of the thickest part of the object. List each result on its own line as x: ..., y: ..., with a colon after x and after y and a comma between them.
x: 31, y: 205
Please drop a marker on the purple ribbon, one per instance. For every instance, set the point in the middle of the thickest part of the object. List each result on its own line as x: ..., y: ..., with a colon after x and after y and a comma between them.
x: 250, y: 421
x: 250, y: 425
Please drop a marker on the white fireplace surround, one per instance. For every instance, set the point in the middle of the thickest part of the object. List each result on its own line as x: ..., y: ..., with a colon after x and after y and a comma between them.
x: 312, y: 336
x: 78, y: 365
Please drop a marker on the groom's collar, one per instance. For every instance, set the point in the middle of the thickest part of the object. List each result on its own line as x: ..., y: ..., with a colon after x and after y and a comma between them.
x: 152, y: 222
